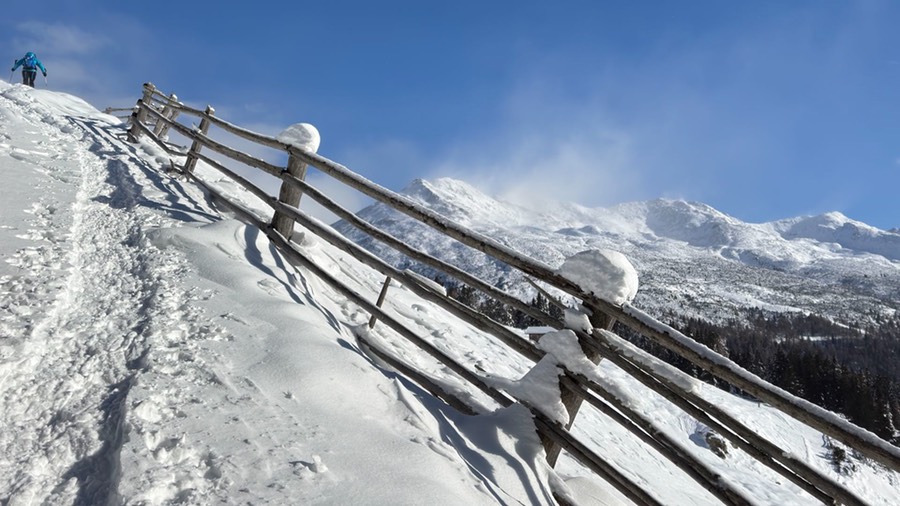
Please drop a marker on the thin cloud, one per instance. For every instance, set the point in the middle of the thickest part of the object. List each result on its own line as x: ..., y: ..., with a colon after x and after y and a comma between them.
x: 60, y: 39
x: 718, y: 116
x: 590, y: 168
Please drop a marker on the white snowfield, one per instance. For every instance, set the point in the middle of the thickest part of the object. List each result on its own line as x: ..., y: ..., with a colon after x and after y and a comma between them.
x: 155, y: 351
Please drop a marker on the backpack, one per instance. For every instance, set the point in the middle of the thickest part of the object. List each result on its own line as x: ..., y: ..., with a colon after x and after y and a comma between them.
x: 30, y: 62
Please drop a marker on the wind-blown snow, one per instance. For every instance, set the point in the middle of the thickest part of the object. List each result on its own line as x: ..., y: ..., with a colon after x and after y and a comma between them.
x: 694, y: 260
x: 155, y: 351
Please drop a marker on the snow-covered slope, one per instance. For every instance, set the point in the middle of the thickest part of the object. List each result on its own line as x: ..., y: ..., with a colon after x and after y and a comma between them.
x: 155, y: 351
x: 835, y: 228
x: 692, y: 258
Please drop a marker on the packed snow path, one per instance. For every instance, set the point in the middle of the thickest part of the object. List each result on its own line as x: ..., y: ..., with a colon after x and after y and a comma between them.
x: 88, y: 294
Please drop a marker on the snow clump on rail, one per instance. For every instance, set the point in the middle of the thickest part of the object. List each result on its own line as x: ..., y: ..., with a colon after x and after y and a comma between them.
x: 605, y: 273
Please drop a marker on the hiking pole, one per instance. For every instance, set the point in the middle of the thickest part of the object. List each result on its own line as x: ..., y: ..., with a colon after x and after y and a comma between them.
x: 45, y: 81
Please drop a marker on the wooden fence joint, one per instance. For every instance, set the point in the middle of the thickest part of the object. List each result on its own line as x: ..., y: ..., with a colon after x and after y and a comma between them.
x: 570, y: 398
x: 300, y: 137
x: 191, y: 160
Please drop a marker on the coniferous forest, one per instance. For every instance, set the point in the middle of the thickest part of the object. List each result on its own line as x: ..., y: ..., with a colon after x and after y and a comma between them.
x: 851, y: 371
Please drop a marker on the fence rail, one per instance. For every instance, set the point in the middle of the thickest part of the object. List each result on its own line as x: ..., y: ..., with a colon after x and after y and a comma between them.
x: 156, y: 114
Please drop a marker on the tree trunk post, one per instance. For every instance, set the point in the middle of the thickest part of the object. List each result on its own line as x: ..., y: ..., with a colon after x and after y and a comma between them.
x: 381, y: 296
x: 191, y: 161
x: 146, y: 101
x: 172, y: 116
x: 134, y: 132
x: 168, y: 112
x: 570, y: 399
x: 140, y: 114
x: 289, y: 195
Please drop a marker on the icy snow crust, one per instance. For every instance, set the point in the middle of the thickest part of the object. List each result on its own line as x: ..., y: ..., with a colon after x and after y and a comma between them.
x: 154, y: 351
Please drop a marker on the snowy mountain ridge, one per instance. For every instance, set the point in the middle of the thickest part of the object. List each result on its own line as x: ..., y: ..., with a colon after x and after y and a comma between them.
x: 689, y: 254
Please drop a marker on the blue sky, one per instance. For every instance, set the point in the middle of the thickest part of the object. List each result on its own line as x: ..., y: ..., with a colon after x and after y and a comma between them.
x: 763, y: 109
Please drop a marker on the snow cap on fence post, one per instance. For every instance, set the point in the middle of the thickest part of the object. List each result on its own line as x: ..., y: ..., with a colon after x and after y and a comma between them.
x: 301, y: 135
x: 606, y: 274
x: 305, y: 137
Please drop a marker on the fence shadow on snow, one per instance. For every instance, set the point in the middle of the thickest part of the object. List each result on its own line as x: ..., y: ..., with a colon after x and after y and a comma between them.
x: 156, y: 114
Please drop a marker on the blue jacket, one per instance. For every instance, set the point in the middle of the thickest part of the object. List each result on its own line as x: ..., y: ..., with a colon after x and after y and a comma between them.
x: 30, y: 61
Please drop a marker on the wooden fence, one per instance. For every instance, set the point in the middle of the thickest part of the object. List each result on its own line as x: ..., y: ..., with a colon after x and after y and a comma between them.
x: 156, y: 114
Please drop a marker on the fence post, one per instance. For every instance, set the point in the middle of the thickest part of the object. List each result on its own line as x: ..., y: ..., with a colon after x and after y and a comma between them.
x: 174, y: 112
x: 381, y: 296
x: 301, y: 136
x: 191, y: 161
x: 134, y: 133
x: 140, y: 114
x: 168, y: 110
x: 570, y: 399
x: 289, y: 195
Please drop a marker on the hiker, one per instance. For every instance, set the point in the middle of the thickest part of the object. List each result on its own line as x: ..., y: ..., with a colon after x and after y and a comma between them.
x: 30, y: 64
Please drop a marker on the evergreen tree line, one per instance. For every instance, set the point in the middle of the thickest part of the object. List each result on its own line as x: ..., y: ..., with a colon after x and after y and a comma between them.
x: 498, y: 311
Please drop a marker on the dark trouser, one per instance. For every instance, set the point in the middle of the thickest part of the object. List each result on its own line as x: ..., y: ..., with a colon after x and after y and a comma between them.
x: 28, y: 76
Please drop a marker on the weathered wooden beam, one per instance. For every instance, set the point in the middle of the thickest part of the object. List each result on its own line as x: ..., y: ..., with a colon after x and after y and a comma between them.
x: 170, y: 113
x: 572, y: 399
x: 289, y: 195
x: 242, y: 213
x: 191, y: 160
x: 144, y: 130
x: 220, y: 148
x: 380, y: 301
x: 134, y: 134
x: 166, y: 110
x: 400, y: 203
x: 139, y: 117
